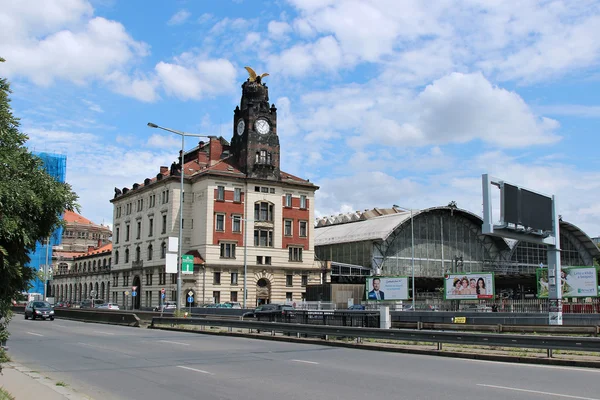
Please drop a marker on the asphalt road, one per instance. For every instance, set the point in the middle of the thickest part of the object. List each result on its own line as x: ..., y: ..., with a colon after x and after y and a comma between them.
x: 113, y: 362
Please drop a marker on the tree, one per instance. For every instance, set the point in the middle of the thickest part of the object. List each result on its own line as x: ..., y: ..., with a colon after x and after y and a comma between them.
x: 31, y: 206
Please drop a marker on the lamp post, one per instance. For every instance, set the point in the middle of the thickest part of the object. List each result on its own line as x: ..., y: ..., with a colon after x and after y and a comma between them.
x: 180, y: 238
x: 412, y: 240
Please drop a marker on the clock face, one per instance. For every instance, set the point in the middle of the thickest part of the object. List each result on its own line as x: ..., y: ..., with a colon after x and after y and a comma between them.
x: 262, y: 126
x: 240, y: 126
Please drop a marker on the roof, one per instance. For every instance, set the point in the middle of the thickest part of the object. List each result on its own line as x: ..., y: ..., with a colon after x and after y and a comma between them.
x: 107, y: 248
x: 583, y: 238
x: 74, y: 218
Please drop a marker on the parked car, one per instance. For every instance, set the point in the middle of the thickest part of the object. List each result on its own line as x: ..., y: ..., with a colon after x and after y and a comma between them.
x: 88, y: 303
x: 267, y: 309
x: 168, y: 305
x: 108, y: 306
x: 234, y: 304
x: 39, y: 309
x: 356, y: 307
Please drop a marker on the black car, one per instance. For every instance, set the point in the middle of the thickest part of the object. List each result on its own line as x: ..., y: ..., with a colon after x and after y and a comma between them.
x: 268, y: 309
x: 39, y: 309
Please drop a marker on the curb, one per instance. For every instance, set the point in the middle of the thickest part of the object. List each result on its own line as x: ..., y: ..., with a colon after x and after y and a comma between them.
x: 437, y: 353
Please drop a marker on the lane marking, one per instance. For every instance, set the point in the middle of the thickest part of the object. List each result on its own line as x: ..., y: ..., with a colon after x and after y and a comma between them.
x: 195, y: 370
x: 306, y: 362
x: 35, y: 334
x: 578, y: 369
x: 62, y: 326
x: 537, y: 392
x: 104, y: 333
x: 168, y: 341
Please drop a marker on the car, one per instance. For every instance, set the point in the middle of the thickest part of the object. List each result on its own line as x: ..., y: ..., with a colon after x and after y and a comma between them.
x: 234, y: 304
x: 39, y: 309
x: 108, y: 306
x: 169, y: 305
x: 269, y: 309
x: 356, y: 307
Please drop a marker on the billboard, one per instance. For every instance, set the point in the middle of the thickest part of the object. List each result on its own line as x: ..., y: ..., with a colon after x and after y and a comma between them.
x: 475, y: 285
x: 387, y: 288
x: 574, y: 282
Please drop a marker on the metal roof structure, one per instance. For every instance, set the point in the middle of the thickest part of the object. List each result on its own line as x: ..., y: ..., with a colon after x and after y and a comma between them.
x: 583, y: 238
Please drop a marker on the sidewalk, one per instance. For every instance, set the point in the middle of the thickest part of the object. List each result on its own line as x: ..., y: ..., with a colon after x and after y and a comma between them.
x: 24, y: 384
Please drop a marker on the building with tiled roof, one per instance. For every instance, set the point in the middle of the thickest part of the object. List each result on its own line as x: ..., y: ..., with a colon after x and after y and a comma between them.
x: 83, y: 242
x: 240, y: 212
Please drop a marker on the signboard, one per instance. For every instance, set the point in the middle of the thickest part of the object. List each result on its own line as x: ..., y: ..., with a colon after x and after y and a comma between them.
x: 134, y: 288
x: 459, y: 320
x: 162, y: 290
x: 190, y: 299
x: 574, y: 282
x: 173, y: 245
x: 387, y: 288
x: 171, y: 263
x: 466, y: 286
x: 187, y: 264
x: 134, y: 294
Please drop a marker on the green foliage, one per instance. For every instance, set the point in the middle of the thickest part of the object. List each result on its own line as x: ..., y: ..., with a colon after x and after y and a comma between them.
x: 31, y: 203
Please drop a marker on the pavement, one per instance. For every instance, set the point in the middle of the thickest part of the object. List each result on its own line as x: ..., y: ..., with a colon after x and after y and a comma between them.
x: 114, y: 362
x: 23, y: 383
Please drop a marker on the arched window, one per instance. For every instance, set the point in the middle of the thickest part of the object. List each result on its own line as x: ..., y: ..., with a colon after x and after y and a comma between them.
x: 163, y: 250
x: 150, y: 249
x: 104, y: 263
x: 138, y: 253
x: 126, y: 256
x: 94, y: 265
x: 116, y: 257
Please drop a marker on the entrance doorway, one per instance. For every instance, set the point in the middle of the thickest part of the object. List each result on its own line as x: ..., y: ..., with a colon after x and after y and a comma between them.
x: 136, y: 300
x: 263, y: 291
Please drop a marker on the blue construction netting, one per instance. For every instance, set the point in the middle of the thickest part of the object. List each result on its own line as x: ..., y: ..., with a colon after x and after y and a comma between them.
x: 56, y: 166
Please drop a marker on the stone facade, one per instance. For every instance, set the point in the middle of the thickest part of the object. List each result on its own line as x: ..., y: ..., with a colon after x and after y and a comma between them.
x: 239, y: 209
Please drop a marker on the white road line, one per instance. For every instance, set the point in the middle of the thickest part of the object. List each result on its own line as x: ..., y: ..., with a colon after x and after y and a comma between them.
x: 35, y: 334
x: 168, y: 341
x: 104, y: 333
x: 195, y: 370
x: 567, y: 396
x: 306, y: 362
x: 61, y: 326
x: 592, y: 370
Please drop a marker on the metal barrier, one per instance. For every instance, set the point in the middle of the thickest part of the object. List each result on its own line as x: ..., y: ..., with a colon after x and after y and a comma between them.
x: 466, y: 338
x: 363, y: 319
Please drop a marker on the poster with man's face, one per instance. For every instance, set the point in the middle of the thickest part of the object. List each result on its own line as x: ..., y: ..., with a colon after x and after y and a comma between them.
x: 387, y: 288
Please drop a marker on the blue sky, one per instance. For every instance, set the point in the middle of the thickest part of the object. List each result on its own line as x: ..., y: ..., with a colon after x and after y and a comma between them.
x: 380, y: 102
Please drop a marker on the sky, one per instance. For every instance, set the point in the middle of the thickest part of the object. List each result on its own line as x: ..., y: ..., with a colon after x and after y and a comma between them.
x: 380, y: 102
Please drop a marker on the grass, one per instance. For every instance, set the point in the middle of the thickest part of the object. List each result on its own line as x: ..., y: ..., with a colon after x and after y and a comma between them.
x: 61, y: 383
x: 4, y: 395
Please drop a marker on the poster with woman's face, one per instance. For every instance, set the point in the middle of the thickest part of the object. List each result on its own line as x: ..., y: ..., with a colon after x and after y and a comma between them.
x: 474, y: 285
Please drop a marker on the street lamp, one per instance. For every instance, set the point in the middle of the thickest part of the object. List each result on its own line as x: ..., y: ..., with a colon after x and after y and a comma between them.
x: 412, y: 239
x: 183, y: 135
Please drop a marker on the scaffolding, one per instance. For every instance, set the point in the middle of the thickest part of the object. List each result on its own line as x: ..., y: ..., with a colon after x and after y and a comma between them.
x: 41, y: 258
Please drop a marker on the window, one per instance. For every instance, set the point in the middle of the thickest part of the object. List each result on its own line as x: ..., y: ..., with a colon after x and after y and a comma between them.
x: 117, y: 236
x: 162, y: 278
x: 150, y: 252
x: 150, y: 226
x: 183, y: 224
x: 174, y: 281
x: 138, y: 254
x: 165, y: 196
x: 263, y: 237
x: 173, y: 295
x: 217, y: 278
x: 288, y: 296
x: 163, y: 250
x: 289, y: 280
x: 237, y: 195
x: 126, y: 279
x: 303, y: 228
x: 227, y: 250
x: 221, y: 193
x: 288, y: 200
x: 139, y: 230
x: 233, y: 296
x: 272, y: 190
x: 287, y: 227
x: 263, y: 157
x: 217, y: 297
x: 126, y: 256
x: 264, y: 189
x: 127, y: 233
x: 151, y: 201
x: 295, y: 253
x: 140, y: 205
x: 303, y: 202
x: 263, y: 211
x: 304, y: 280
x: 234, y: 278
x: 257, y: 188
x: 220, y: 223
x: 259, y: 260
x: 236, y: 224
x: 164, y: 224
x: 268, y: 260
x: 149, y: 279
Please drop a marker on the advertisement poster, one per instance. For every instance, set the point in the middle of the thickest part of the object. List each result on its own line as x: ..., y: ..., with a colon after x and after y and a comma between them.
x: 475, y: 285
x: 575, y: 282
x: 387, y: 288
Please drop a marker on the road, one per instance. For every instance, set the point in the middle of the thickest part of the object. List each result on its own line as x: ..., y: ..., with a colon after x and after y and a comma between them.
x: 113, y: 362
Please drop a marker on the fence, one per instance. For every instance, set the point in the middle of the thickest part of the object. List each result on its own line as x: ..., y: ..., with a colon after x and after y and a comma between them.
x: 331, y: 318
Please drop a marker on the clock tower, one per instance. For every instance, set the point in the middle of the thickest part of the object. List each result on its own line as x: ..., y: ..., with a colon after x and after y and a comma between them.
x: 255, y: 144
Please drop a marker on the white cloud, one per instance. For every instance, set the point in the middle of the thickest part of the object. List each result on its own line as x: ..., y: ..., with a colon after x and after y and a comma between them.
x: 324, y: 54
x: 571, y: 110
x: 278, y: 30
x: 193, y: 78
x: 163, y: 142
x: 179, y: 17
x: 139, y: 87
x: 93, y: 106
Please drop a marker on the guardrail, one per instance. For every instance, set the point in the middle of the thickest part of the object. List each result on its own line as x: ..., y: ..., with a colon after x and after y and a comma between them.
x: 108, y: 316
x: 589, y: 344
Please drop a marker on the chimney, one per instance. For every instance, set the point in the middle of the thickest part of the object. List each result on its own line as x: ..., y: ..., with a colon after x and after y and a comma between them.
x: 99, y: 242
x: 215, y: 150
x: 90, y: 249
x: 164, y: 169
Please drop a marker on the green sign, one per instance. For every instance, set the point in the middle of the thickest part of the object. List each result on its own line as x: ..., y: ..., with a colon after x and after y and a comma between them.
x: 187, y: 264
